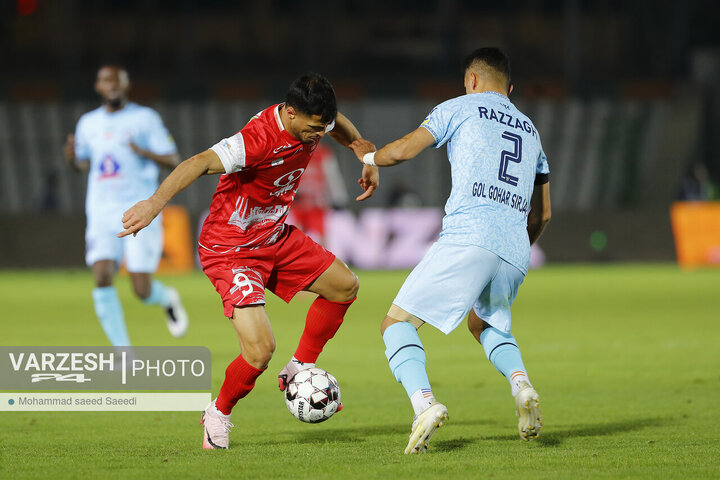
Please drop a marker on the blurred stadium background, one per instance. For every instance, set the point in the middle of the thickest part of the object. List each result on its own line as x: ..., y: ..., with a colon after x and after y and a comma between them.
x: 625, y: 94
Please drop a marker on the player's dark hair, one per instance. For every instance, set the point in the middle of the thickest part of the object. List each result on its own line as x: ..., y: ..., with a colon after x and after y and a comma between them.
x: 112, y: 63
x: 312, y: 94
x: 493, y: 57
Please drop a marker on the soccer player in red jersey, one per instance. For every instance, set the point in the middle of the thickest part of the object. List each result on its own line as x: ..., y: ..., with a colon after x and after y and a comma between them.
x: 245, y: 245
x: 322, y: 189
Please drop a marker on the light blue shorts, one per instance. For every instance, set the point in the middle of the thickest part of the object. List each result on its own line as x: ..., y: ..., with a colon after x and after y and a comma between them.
x: 141, y: 254
x: 451, y: 279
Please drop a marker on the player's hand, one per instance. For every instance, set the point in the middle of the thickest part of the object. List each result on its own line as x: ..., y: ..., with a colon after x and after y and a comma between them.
x: 138, y: 217
x: 139, y: 151
x: 369, y: 181
x: 361, y: 147
x: 69, y: 149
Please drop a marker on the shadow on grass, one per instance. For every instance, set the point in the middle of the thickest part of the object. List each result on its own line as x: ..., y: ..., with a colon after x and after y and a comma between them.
x: 554, y: 438
x: 452, y: 444
x: 360, y: 434
x: 348, y: 435
x: 550, y: 438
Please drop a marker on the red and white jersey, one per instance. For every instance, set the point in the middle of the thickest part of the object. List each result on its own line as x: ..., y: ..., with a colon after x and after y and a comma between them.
x: 263, y: 165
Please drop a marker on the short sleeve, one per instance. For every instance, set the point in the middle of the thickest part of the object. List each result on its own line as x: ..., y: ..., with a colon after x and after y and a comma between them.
x: 440, y: 123
x: 243, y: 150
x: 82, y: 145
x: 159, y: 139
x: 542, y: 169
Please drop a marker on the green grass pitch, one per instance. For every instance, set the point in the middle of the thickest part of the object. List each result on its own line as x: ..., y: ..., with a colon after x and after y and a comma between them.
x: 626, y: 360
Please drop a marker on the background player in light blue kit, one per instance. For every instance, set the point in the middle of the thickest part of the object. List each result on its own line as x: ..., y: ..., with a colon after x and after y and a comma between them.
x: 121, y: 144
x: 498, y: 206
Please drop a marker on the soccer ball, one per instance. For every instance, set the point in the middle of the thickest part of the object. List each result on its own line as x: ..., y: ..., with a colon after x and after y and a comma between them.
x: 313, y: 395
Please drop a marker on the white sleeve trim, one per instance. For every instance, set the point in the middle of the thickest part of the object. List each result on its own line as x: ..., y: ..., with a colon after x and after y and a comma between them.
x: 330, y: 126
x: 231, y: 151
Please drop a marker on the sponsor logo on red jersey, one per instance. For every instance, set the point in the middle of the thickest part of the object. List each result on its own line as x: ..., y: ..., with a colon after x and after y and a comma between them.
x: 250, y: 206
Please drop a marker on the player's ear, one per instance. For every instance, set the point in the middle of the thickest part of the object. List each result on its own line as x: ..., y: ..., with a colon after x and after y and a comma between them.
x: 510, y: 89
x: 470, y: 81
x: 291, y: 111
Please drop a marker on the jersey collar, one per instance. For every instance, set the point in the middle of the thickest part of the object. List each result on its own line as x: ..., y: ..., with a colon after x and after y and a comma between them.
x: 277, y: 116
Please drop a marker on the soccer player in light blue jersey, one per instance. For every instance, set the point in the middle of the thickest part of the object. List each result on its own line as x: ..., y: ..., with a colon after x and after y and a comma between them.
x: 498, y: 206
x: 122, y: 144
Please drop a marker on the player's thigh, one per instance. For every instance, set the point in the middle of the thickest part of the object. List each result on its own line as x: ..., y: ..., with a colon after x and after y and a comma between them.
x: 143, y: 252
x: 255, y: 335
x: 303, y: 264
x: 337, y: 283
x: 443, y: 287
x: 493, y: 304
x: 239, y: 280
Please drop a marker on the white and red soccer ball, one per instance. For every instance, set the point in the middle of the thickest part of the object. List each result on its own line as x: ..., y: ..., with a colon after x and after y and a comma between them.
x: 313, y: 395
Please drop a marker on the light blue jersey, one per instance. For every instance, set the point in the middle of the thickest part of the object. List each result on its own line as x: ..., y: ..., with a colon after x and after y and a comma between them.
x: 118, y: 176
x: 495, y: 155
x: 118, y: 179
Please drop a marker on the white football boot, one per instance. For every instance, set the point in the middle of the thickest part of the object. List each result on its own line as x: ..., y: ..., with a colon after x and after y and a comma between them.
x: 176, y: 318
x: 424, y: 426
x: 216, y: 428
x: 289, y: 371
x: 530, y: 420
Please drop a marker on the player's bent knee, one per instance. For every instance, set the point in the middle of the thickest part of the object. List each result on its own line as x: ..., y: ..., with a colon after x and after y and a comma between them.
x: 259, y: 355
x: 387, y: 321
x: 350, y: 291
x: 354, y: 287
x: 476, y: 325
x: 103, y: 278
x: 346, y: 290
x: 141, y: 292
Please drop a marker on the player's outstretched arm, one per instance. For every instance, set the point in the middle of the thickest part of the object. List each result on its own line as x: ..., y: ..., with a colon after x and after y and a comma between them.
x: 393, y: 153
x: 170, y: 160
x: 540, y: 212
x: 345, y: 133
x: 142, y: 213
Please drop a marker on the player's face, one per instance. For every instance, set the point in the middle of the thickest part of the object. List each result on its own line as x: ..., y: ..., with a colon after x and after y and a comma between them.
x: 112, y: 84
x: 306, y: 128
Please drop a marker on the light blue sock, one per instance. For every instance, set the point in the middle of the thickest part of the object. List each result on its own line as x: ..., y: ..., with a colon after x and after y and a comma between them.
x: 406, y: 356
x: 503, y: 352
x: 110, y: 313
x: 159, y: 295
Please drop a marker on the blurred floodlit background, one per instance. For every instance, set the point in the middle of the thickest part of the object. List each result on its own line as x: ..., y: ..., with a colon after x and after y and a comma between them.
x: 625, y: 95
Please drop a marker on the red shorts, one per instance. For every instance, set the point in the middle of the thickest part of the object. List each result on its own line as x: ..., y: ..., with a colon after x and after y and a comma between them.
x: 285, y: 267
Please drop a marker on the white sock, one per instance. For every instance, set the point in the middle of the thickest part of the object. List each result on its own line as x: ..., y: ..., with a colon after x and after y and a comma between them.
x: 421, y: 400
x: 217, y: 410
x: 515, y: 379
x: 301, y: 365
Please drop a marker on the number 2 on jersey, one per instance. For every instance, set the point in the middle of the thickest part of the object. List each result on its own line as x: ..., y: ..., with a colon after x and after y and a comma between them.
x: 507, y: 156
